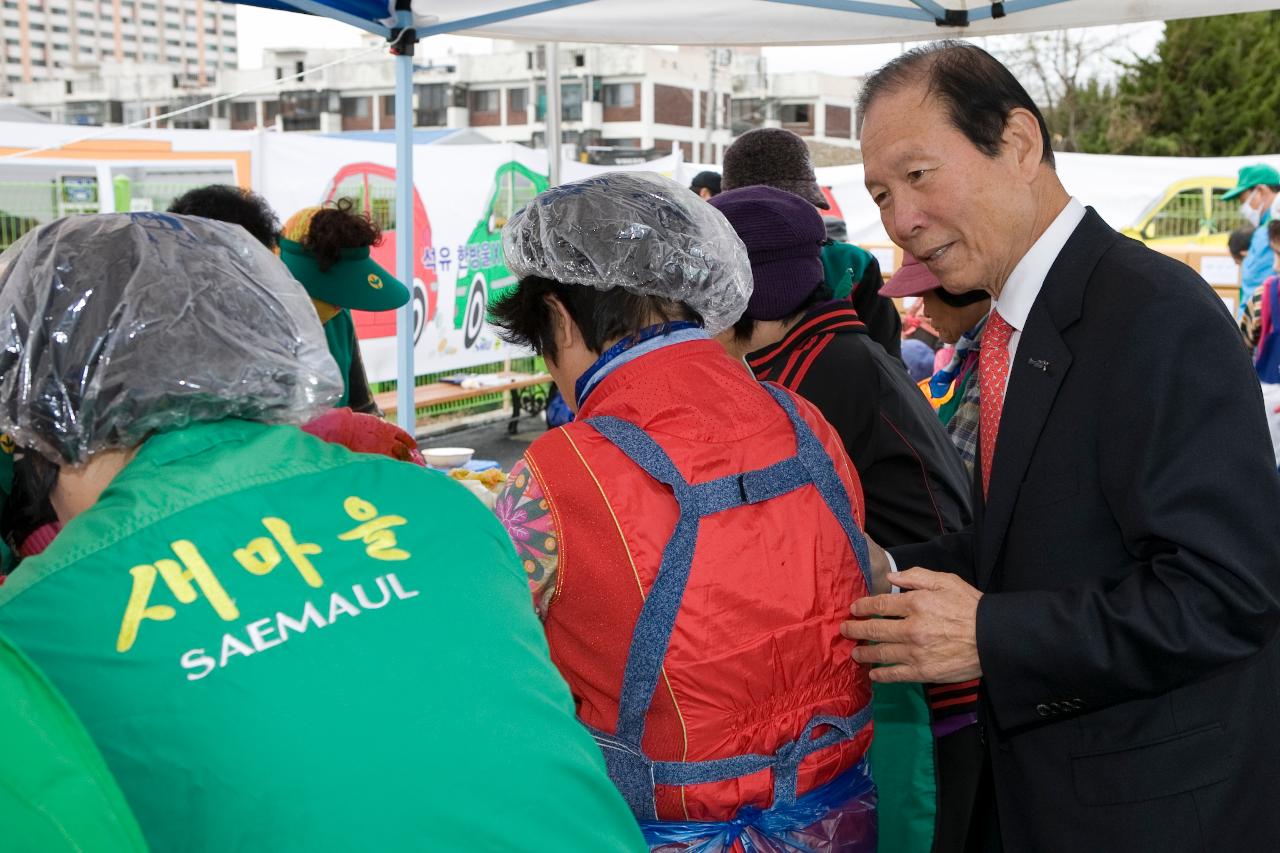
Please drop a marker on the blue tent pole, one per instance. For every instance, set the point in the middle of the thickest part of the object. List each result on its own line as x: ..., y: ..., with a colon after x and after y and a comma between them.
x: 403, y: 39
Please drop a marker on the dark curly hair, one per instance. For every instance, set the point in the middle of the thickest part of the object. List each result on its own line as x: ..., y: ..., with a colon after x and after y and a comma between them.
x: 339, y: 227
x: 238, y: 206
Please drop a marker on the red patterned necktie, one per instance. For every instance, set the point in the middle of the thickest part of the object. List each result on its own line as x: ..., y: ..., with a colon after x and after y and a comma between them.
x: 993, y: 373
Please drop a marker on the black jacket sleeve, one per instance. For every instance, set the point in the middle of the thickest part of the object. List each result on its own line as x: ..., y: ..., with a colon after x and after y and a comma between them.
x: 359, y: 395
x: 952, y: 553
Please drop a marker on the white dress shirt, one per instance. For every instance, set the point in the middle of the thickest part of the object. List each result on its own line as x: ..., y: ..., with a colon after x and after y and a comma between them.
x: 1020, y: 291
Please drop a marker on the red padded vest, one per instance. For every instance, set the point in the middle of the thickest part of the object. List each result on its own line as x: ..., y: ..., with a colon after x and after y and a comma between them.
x: 755, y: 653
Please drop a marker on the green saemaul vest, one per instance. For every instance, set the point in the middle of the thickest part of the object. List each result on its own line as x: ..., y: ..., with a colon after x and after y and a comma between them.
x: 278, y: 644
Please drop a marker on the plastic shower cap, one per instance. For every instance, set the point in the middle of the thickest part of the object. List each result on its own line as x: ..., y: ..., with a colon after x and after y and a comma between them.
x: 115, y: 326
x: 638, y: 231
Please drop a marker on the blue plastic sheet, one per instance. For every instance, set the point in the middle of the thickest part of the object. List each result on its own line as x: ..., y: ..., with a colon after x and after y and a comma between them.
x: 839, y: 817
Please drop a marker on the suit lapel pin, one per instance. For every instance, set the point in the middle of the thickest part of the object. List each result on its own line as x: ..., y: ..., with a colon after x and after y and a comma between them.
x: 1039, y: 364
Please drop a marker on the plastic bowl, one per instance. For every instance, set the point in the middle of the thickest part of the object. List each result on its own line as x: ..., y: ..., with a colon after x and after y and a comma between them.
x: 448, y: 457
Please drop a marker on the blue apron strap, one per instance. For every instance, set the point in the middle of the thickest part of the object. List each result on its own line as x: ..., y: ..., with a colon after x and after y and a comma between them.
x: 641, y: 449
x: 822, y: 471
x: 786, y: 772
x: 658, y: 615
x: 785, y: 763
x: 751, y: 487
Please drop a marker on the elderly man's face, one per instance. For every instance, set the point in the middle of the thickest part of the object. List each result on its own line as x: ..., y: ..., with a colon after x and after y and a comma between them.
x: 963, y: 214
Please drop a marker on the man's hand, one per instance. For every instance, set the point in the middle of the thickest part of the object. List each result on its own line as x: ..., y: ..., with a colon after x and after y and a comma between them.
x: 930, y: 633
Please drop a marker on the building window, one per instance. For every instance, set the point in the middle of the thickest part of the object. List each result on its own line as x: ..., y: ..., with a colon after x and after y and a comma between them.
x: 620, y: 95
x: 242, y: 113
x: 485, y: 101
x: 796, y: 113
x: 748, y: 113
x: 355, y: 107
x: 517, y: 100
x: 570, y: 102
x: 432, y: 104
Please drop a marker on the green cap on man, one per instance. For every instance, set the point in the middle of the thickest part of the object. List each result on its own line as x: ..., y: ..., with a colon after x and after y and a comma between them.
x: 1259, y: 174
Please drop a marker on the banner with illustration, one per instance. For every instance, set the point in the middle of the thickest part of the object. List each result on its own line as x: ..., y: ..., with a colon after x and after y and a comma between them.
x: 463, y: 196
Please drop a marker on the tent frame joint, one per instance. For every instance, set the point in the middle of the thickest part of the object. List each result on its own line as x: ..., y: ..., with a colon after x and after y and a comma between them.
x: 958, y: 17
x: 997, y: 10
x: 401, y: 40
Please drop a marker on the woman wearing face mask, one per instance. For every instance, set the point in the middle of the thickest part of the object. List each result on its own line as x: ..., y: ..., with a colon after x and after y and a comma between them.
x: 1257, y: 187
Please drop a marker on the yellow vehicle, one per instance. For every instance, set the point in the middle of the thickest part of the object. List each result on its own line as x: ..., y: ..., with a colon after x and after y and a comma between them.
x: 1191, y: 212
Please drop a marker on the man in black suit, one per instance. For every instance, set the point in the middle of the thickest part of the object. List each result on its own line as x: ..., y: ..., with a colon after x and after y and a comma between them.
x: 1119, y: 591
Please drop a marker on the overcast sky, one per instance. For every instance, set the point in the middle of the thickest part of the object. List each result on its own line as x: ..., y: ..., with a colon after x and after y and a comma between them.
x: 263, y: 28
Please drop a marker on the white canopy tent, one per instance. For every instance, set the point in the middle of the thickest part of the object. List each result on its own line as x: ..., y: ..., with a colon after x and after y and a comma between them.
x: 795, y: 22
x: 711, y: 22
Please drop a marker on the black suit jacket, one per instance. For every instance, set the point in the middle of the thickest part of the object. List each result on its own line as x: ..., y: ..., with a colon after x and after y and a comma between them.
x: 1129, y: 555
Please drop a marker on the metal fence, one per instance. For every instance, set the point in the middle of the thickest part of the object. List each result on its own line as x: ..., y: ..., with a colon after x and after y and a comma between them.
x: 27, y: 204
x: 152, y: 195
x: 378, y: 200
x: 475, y: 405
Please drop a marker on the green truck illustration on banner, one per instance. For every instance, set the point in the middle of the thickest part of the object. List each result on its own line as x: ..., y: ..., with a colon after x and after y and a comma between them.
x: 483, y: 276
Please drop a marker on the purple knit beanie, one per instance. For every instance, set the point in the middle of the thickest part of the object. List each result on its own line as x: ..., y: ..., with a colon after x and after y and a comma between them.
x: 783, y: 234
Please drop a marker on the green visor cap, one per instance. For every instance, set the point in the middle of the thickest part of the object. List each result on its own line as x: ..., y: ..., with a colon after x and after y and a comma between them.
x: 355, y: 281
x: 1252, y: 176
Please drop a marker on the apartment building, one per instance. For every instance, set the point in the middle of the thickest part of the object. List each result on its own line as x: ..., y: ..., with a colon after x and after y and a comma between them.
x: 50, y: 40
x: 617, y: 103
x: 612, y: 98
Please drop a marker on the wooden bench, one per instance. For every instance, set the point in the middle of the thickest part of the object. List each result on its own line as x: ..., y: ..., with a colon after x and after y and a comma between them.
x: 527, y: 394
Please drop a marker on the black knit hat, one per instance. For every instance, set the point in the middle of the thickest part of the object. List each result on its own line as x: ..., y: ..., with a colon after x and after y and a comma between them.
x: 772, y: 157
x: 783, y: 235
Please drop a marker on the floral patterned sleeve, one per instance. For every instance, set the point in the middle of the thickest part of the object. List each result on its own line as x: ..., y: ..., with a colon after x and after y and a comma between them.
x: 522, y: 508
